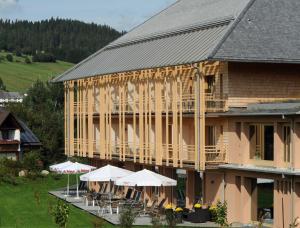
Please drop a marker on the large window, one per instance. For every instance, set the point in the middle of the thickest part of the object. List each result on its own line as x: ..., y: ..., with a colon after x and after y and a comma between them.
x: 210, y: 135
x: 287, y: 143
x: 261, y: 137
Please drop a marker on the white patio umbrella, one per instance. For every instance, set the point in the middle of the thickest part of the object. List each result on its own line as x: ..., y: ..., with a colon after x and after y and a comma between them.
x: 106, y: 174
x: 76, y: 168
x: 146, y: 178
x: 57, y: 167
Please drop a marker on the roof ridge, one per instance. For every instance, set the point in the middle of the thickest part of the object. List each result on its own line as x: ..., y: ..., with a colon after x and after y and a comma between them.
x: 195, y: 27
x: 231, y: 28
x: 56, y: 79
x: 191, y: 28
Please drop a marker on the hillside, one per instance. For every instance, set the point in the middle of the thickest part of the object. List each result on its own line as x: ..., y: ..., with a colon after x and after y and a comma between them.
x: 19, y: 76
x: 68, y: 40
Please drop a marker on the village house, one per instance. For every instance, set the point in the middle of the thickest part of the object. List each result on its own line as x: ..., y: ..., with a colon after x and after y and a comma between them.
x: 206, y: 92
x: 15, y: 137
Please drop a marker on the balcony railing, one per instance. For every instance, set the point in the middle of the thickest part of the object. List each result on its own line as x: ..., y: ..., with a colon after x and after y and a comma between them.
x: 214, y: 155
x: 186, y: 104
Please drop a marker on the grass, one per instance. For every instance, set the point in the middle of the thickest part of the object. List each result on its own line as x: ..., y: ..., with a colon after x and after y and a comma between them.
x: 19, y: 76
x: 19, y: 207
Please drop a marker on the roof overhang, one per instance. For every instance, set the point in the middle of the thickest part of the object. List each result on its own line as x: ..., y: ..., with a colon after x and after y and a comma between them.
x: 260, y: 169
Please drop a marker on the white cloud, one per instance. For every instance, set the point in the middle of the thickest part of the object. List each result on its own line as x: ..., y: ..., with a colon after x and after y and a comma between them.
x: 8, y: 5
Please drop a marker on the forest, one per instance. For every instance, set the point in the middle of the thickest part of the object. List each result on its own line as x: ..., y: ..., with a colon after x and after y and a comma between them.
x: 64, y: 39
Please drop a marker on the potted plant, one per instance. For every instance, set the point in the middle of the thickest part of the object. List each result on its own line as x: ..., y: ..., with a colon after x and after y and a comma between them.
x: 178, y: 214
x: 197, y: 207
x: 170, y: 216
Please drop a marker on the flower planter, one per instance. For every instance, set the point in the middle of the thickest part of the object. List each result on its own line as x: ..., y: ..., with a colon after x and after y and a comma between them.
x: 199, y: 216
x: 178, y: 217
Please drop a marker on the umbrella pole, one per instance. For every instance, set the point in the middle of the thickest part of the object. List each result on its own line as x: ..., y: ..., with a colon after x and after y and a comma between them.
x: 77, y: 193
x: 68, y: 187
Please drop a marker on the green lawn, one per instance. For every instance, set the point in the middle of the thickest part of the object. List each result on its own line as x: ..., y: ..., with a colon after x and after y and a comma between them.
x: 19, y: 76
x: 19, y: 207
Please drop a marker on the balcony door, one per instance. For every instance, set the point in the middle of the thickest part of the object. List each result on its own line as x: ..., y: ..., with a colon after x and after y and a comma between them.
x: 261, y: 137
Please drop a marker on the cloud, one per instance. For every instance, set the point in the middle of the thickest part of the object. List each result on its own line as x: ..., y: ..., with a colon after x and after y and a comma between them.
x: 8, y: 5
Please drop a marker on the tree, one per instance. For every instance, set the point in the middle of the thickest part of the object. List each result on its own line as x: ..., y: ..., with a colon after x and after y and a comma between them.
x: 42, y: 111
x: 2, y: 85
x: 67, y: 40
x: 60, y: 213
x: 9, y: 57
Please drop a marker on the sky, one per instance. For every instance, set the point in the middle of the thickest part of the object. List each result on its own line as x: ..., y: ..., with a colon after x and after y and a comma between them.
x: 120, y: 14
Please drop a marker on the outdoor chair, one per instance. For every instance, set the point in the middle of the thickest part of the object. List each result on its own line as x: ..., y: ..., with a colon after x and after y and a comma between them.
x: 150, y: 210
x: 128, y: 194
x: 160, y: 208
x: 136, y: 199
x: 89, y: 198
x: 82, y: 188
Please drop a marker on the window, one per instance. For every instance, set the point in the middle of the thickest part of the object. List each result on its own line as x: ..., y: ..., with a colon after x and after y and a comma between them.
x: 210, y: 139
x: 287, y: 143
x: 5, y: 135
x: 209, y: 84
x: 261, y: 137
x: 238, y: 129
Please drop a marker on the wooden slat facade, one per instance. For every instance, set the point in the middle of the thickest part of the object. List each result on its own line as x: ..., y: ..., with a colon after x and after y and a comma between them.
x: 141, y: 115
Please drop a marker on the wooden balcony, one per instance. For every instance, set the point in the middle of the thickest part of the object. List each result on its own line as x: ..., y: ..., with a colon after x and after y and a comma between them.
x: 186, y: 104
x: 9, y: 145
x: 214, y: 155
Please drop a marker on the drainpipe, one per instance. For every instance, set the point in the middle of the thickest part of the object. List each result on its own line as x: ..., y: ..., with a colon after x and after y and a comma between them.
x: 292, y: 166
x: 197, y: 91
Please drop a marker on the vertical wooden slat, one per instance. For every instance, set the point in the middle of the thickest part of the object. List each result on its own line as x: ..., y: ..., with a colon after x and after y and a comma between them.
x: 124, y: 96
x: 102, y: 120
x: 71, y: 118
x: 202, y: 119
x: 175, y: 120
x: 150, y: 98
x: 84, y: 118
x: 167, y: 84
x: 158, y: 119
x: 66, y: 116
x: 90, y: 120
x: 196, y: 119
x: 134, y: 119
x: 146, y: 112
x: 78, y: 117
x: 180, y: 124
x: 110, y: 122
x: 141, y: 121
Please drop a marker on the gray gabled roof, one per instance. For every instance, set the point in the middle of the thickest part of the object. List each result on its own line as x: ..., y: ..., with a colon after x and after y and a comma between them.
x: 27, y: 136
x: 196, y: 30
x: 186, y: 32
x: 268, y: 32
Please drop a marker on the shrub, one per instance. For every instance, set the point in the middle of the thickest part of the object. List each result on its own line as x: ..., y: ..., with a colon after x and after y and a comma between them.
x: 98, y: 222
x: 156, y: 221
x: 32, y: 162
x: 9, y: 57
x: 60, y: 212
x: 170, y: 217
x: 27, y: 60
x: 127, y: 217
x: 9, y: 170
x: 18, y: 53
x: 43, y: 57
x: 221, y: 214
